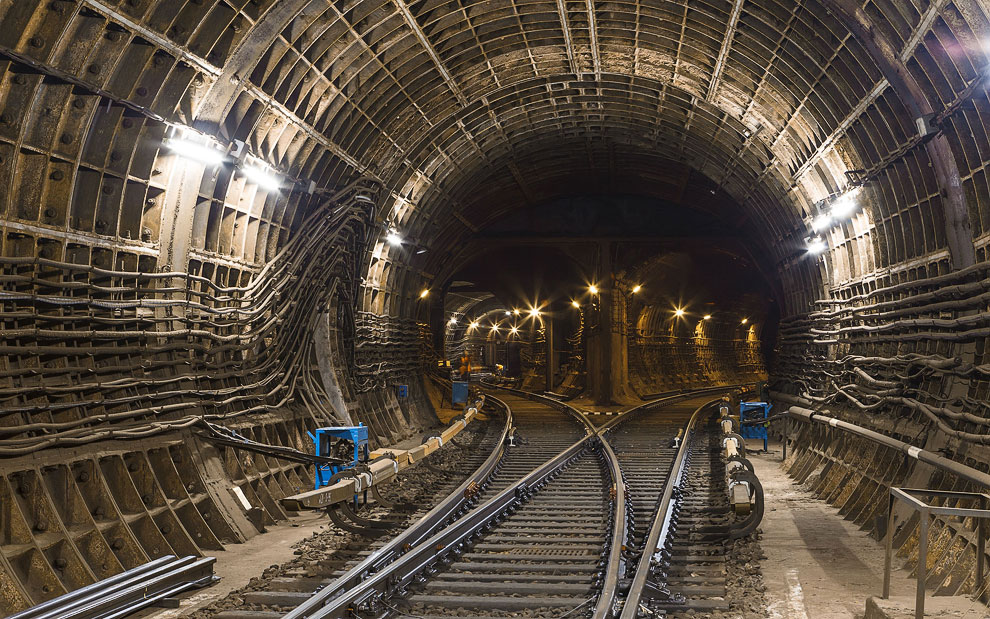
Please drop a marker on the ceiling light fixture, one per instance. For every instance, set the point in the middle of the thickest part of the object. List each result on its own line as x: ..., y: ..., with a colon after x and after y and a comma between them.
x: 188, y: 148
x: 821, y: 222
x: 259, y: 174
x: 845, y: 204
x: 816, y: 245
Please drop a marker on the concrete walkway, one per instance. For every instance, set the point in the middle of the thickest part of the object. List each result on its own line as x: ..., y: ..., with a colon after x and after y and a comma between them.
x: 821, y: 566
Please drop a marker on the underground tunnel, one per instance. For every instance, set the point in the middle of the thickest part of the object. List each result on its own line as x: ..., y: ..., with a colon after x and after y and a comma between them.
x: 494, y: 308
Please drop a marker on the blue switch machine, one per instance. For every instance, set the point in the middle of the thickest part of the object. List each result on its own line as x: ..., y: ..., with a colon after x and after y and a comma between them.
x: 323, y: 439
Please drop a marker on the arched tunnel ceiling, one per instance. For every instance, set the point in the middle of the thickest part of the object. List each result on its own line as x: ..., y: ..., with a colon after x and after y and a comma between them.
x: 775, y: 101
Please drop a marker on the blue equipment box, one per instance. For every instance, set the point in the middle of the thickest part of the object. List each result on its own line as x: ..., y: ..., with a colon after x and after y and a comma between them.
x: 323, y: 440
x: 459, y: 392
x: 750, y: 411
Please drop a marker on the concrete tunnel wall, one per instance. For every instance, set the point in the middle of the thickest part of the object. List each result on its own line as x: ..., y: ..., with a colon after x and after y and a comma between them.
x: 142, y: 289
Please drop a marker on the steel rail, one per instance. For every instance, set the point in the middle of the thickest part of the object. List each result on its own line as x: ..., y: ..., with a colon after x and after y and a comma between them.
x: 387, y: 571
x: 434, y: 550
x: 460, y: 498
x: 615, y: 566
x: 128, y: 591
x: 660, y: 528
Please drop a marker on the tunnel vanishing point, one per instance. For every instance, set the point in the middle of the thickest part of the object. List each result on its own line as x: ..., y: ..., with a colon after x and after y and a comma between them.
x: 242, y: 220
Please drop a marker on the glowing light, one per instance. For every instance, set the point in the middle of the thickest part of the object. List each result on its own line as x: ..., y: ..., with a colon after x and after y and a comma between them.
x: 262, y: 177
x: 745, y: 320
x: 425, y: 293
x: 678, y: 312
x: 514, y: 330
x: 393, y: 238
x: 821, y: 222
x: 535, y: 311
x: 845, y: 205
x: 707, y: 317
x: 816, y: 245
x: 453, y: 320
x: 515, y: 311
x: 508, y: 313
x: 473, y: 325
x: 576, y: 304
x: 190, y: 149
x: 494, y: 328
x: 593, y: 289
x: 636, y: 288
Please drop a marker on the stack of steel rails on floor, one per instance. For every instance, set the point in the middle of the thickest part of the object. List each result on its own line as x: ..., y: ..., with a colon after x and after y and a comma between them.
x: 129, y: 591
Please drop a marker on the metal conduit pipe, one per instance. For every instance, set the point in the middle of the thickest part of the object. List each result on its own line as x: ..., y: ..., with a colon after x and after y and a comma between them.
x: 799, y: 411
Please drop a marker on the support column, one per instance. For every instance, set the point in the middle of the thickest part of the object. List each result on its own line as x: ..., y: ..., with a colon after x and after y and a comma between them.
x: 600, y: 341
x: 618, y: 342
x: 551, y: 364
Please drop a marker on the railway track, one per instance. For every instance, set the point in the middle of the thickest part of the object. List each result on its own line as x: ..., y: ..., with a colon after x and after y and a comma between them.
x: 485, y: 471
x: 681, y: 566
x: 563, y: 520
x: 298, y: 584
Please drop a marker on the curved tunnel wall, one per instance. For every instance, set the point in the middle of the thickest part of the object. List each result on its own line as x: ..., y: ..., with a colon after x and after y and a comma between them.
x: 459, y: 112
x: 667, y: 353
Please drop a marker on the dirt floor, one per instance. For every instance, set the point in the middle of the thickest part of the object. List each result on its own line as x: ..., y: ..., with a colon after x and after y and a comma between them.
x: 821, y: 566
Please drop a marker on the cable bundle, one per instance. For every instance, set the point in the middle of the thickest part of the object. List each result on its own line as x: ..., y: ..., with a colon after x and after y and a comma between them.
x: 94, y: 354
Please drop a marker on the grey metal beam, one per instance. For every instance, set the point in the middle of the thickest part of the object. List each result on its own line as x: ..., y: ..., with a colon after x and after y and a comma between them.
x: 723, y: 54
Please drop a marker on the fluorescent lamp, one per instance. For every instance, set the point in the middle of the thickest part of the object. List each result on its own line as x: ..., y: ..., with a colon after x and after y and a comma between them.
x: 189, y: 149
x: 845, y: 205
x: 262, y: 177
x: 816, y: 245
